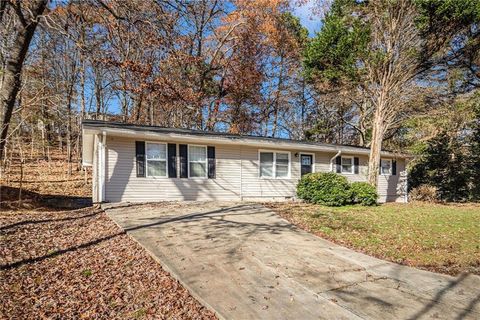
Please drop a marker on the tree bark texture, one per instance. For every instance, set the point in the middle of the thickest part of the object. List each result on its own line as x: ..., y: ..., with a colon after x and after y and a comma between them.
x: 24, y: 31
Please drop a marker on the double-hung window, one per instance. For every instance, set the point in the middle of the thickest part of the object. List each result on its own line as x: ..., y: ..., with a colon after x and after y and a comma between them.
x: 386, y: 167
x: 156, y: 157
x: 274, y: 164
x: 197, y: 161
x: 347, y: 165
x: 281, y: 165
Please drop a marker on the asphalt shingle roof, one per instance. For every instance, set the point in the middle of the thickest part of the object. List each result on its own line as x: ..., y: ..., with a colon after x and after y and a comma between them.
x: 191, y: 132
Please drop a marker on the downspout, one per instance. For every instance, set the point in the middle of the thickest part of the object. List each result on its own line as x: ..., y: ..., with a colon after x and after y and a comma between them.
x: 102, y: 166
x: 406, y: 182
x: 335, y: 156
x: 406, y: 187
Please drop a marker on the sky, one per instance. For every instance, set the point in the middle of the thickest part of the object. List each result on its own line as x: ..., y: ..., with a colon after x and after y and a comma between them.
x: 310, y: 21
x: 304, y: 12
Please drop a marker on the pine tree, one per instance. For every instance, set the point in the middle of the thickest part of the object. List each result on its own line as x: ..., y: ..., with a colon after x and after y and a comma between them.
x: 474, y: 155
x: 443, y: 166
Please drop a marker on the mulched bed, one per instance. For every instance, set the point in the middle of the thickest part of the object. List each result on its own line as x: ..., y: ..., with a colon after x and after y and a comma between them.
x: 79, y: 264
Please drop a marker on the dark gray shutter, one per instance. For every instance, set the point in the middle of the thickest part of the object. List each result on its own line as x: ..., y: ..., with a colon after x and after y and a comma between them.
x: 339, y: 164
x: 172, y: 160
x: 394, y: 167
x: 183, y: 150
x: 211, y: 162
x: 140, y: 157
x: 356, y: 164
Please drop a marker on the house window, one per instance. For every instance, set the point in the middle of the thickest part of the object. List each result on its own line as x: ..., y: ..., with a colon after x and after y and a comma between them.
x: 386, y: 167
x: 197, y: 161
x: 347, y: 164
x: 266, y: 164
x: 281, y: 165
x: 274, y: 164
x: 156, y: 157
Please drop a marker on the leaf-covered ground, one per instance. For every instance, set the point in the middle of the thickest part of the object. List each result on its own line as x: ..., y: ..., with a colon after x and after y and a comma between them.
x: 79, y: 264
x: 41, y: 179
x: 440, y: 238
x: 48, y: 177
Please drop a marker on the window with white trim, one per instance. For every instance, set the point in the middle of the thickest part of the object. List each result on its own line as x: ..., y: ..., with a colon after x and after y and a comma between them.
x: 197, y: 161
x: 281, y: 165
x: 274, y: 165
x: 386, y: 167
x: 347, y: 165
x: 156, y: 158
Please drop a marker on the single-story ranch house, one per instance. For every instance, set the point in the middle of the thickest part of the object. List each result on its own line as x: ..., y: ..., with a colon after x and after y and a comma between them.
x: 137, y: 163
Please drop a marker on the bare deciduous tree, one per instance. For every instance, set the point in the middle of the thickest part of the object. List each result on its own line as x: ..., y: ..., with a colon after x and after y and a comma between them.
x: 27, y: 16
x: 391, y: 69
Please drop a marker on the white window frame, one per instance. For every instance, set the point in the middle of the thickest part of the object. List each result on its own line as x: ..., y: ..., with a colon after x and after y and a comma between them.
x: 206, y: 161
x: 353, y: 165
x: 146, y: 159
x: 307, y: 154
x: 391, y: 167
x: 274, y: 170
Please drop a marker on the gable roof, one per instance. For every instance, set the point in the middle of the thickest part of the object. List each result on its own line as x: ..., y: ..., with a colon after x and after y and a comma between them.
x: 145, y: 131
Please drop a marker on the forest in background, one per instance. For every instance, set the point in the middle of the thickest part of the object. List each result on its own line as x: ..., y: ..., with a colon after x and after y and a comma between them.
x: 401, y: 75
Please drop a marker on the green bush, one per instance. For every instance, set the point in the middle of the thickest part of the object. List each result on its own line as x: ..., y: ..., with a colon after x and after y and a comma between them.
x: 364, y: 193
x: 325, y: 188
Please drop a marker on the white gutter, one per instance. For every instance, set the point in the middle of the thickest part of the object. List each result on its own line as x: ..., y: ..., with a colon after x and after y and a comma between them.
x: 331, y: 160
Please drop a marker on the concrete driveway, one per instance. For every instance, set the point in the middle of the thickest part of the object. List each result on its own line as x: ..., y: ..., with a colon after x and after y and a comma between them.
x: 245, y: 262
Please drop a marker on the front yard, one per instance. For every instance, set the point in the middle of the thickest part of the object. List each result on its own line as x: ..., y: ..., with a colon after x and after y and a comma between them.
x: 440, y: 238
x: 80, y: 264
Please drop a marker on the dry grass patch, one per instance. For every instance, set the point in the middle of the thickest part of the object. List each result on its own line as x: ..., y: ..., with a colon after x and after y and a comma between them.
x: 440, y: 238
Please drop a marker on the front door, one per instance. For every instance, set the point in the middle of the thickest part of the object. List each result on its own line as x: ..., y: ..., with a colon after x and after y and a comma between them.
x: 306, y: 161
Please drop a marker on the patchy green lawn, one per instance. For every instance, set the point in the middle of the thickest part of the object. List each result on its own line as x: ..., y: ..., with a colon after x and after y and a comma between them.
x: 441, y: 238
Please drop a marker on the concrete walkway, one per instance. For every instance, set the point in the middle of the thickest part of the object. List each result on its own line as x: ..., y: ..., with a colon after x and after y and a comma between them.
x: 245, y: 262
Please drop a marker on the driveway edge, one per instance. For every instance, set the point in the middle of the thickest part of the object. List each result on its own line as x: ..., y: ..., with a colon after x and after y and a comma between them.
x: 167, y: 268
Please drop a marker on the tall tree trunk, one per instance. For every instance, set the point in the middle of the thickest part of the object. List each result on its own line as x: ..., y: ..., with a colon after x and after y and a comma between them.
x: 277, y: 98
x: 138, y: 109
x: 69, y: 133
x: 152, y: 113
x: 82, y: 111
x: 32, y: 142
x: 303, y: 108
x: 124, y: 97
x: 3, y: 7
x: 98, y: 93
x: 12, y: 74
x: 375, y: 148
x: 44, y: 115
x: 42, y: 131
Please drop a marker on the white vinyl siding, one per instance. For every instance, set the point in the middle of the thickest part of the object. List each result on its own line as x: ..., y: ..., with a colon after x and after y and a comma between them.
x: 122, y: 183
x: 390, y: 187
x: 237, y: 176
